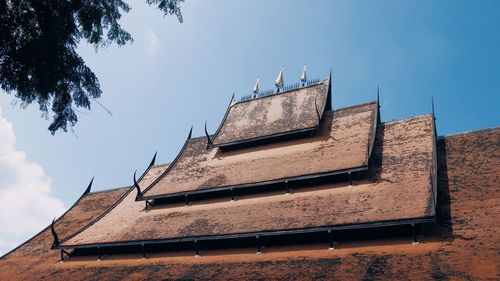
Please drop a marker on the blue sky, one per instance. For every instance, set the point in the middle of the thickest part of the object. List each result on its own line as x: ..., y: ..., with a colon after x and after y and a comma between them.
x: 177, y: 75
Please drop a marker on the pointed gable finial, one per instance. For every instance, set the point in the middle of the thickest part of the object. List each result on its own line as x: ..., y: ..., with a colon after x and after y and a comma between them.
x: 329, y: 105
x: 153, y: 161
x: 432, y: 104
x: 89, y: 187
x: 190, y: 132
x: 209, y: 140
x: 378, y: 94
x: 280, y: 81
x: 232, y: 100
x: 379, y: 120
x: 54, y: 234
x: 256, y: 88
x: 433, y: 116
x: 136, y: 185
x: 303, y: 77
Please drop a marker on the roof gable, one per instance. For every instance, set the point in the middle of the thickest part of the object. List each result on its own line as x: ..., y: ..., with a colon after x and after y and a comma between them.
x: 274, y: 115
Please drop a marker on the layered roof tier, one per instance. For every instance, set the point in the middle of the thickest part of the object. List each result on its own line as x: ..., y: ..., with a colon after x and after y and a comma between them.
x: 399, y: 187
x: 264, y: 118
x: 343, y: 142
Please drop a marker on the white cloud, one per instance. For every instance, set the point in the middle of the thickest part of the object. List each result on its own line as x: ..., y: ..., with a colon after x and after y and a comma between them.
x: 153, y: 44
x: 25, y: 203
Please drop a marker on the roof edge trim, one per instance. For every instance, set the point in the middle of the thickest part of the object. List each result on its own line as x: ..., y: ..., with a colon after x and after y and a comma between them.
x: 224, y: 118
x: 258, y: 184
x: 268, y: 137
x: 48, y: 226
x: 172, y: 164
x: 252, y: 234
x: 105, y: 212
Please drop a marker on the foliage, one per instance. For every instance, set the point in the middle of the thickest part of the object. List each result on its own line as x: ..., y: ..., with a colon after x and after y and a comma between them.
x: 38, y: 58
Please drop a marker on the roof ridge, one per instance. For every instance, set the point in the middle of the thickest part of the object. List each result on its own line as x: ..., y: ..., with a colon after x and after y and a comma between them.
x: 476, y: 131
x: 280, y: 93
x: 407, y: 118
x: 356, y: 105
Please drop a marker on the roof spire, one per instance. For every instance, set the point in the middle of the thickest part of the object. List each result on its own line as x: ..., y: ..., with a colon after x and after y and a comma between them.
x: 303, y: 77
x: 280, y: 81
x: 256, y: 88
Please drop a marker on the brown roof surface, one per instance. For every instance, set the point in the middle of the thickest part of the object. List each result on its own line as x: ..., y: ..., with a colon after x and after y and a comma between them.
x: 466, y: 249
x: 342, y: 143
x: 275, y: 114
x: 31, y: 255
x: 402, y: 191
x: 152, y: 173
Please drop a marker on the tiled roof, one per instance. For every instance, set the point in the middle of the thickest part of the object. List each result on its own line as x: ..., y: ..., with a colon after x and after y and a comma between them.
x: 267, y: 116
x: 402, y: 190
x: 35, y: 255
x: 342, y: 143
x: 465, y: 247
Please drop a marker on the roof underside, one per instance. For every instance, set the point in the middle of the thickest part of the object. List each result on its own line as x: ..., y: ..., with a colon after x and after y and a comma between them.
x: 278, y: 114
x: 399, y: 188
x: 341, y: 143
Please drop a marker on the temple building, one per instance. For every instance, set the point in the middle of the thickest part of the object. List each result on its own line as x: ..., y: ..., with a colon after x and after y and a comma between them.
x: 289, y: 187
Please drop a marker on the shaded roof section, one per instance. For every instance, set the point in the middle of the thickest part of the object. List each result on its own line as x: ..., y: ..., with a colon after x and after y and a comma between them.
x: 400, y: 189
x: 341, y: 143
x: 269, y: 116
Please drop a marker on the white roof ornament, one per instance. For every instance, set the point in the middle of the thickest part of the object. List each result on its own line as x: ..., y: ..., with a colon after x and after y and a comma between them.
x: 280, y: 81
x: 303, y: 77
x: 256, y: 88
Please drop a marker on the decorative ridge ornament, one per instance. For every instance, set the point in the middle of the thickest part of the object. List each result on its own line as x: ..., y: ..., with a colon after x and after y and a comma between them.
x: 153, y: 161
x: 317, y: 111
x: 232, y: 101
x: 433, y: 116
x: 89, y: 187
x: 280, y: 81
x: 54, y: 234
x: 303, y: 77
x: 136, y: 185
x: 378, y: 95
x: 209, y: 140
x: 256, y: 88
x: 190, y: 132
x: 378, y: 106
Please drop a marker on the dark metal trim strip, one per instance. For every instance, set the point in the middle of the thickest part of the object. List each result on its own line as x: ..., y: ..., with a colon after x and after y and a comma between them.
x: 258, y: 184
x: 253, y: 234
